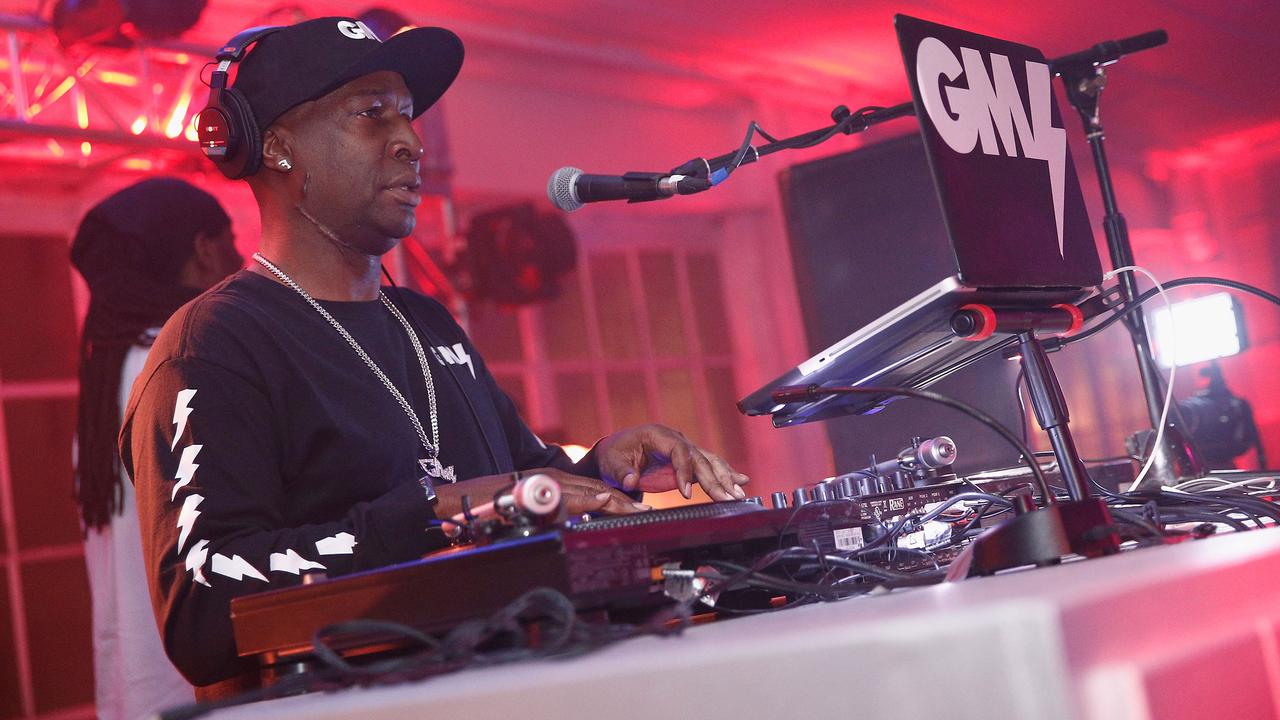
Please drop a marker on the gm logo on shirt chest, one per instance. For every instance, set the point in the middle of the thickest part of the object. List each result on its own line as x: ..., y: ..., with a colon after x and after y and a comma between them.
x: 456, y: 355
x: 991, y: 105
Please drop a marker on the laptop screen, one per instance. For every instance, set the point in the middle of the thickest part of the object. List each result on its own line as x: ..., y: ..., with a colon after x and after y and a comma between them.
x: 997, y: 148
x: 1015, y: 219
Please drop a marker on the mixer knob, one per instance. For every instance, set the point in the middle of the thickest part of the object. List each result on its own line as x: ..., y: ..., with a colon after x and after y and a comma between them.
x: 800, y: 497
x: 755, y: 500
x: 846, y: 488
x: 779, y: 500
x: 822, y: 492
x: 867, y: 485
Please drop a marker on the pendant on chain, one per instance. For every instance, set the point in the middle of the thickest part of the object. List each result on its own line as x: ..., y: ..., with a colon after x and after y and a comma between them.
x: 433, y: 467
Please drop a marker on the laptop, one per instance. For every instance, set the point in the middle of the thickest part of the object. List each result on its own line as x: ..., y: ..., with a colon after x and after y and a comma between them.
x: 1015, y: 218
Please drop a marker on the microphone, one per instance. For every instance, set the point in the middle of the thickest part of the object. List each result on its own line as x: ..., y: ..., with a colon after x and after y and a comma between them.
x: 1108, y: 51
x: 934, y: 453
x: 569, y: 188
x: 916, y: 461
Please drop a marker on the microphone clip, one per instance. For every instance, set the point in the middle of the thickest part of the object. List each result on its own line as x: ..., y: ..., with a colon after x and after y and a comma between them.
x: 668, y: 184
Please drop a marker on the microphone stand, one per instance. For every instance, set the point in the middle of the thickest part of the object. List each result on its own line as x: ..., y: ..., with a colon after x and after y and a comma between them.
x: 1176, y: 458
x: 845, y: 122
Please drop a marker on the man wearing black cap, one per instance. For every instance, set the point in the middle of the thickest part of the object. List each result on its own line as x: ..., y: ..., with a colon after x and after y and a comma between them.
x: 297, y: 417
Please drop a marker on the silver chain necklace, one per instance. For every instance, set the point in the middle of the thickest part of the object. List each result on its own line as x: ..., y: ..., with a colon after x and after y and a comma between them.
x: 431, y: 464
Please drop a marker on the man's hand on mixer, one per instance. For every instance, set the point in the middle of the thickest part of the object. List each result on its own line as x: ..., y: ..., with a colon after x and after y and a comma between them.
x: 656, y: 458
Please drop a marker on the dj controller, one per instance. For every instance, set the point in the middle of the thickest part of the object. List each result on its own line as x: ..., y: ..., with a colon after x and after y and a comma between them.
x: 628, y: 566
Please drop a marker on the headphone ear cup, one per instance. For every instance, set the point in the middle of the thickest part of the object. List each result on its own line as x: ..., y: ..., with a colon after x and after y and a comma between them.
x: 226, y: 128
x: 244, y: 155
x: 229, y: 135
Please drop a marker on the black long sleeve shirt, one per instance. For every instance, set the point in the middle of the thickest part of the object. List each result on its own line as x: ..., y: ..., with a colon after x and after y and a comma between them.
x: 261, y: 446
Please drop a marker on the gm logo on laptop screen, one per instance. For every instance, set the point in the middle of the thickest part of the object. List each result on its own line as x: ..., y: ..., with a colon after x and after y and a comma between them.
x: 998, y: 152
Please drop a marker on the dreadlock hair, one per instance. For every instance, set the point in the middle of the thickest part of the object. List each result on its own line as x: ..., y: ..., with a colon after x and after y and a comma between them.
x: 130, y: 249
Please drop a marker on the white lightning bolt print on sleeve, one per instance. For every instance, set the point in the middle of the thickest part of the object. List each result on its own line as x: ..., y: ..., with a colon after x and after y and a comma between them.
x: 235, y: 567
x: 186, y: 468
x: 340, y: 544
x: 196, y: 557
x: 291, y: 562
x: 181, y: 410
x: 187, y: 518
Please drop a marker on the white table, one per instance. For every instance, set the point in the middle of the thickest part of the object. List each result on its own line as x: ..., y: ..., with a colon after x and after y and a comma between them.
x: 1183, y: 631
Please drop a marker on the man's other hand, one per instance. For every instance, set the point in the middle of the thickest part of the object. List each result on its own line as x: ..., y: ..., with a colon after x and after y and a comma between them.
x: 656, y: 458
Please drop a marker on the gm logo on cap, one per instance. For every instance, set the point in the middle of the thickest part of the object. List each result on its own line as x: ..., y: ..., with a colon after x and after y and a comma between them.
x: 356, y: 30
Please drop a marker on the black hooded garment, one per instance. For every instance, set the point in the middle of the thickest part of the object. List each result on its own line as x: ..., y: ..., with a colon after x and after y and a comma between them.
x: 130, y: 249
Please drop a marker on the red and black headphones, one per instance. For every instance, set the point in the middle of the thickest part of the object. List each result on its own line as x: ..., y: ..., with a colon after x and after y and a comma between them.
x: 227, y: 131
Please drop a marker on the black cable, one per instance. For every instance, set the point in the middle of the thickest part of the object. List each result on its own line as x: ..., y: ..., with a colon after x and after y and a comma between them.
x: 1107, y: 493
x: 468, y: 644
x: 813, y: 392
x: 977, y: 518
x: 925, y: 554
x: 863, y: 568
x: 891, y: 533
x: 1137, y: 520
x: 741, y: 153
x: 1022, y: 409
x: 1185, y: 515
x: 750, y: 575
x: 754, y: 575
x: 1133, y: 306
x: 964, y: 497
x: 1252, y: 507
x: 844, y: 125
x: 330, y: 656
x: 970, y: 483
x: 765, y: 135
x: 683, y: 609
x: 1244, y: 500
x: 795, y: 513
x: 1167, y: 502
x: 823, y: 592
x: 958, y: 534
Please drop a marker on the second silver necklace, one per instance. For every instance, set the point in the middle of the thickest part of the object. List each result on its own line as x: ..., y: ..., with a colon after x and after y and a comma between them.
x: 431, y: 463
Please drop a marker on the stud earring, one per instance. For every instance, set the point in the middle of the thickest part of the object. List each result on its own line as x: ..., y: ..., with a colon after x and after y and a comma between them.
x: 284, y: 164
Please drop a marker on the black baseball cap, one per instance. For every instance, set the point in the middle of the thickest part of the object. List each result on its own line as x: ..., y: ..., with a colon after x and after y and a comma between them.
x: 302, y: 62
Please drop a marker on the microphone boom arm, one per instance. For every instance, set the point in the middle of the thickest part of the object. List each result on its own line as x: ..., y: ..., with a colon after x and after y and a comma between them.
x: 845, y: 123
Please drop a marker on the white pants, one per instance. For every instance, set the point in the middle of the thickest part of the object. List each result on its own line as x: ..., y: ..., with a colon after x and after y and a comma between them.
x: 134, y: 678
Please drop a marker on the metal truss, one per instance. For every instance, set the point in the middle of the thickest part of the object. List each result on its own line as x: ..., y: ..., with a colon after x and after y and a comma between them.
x: 87, y: 106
